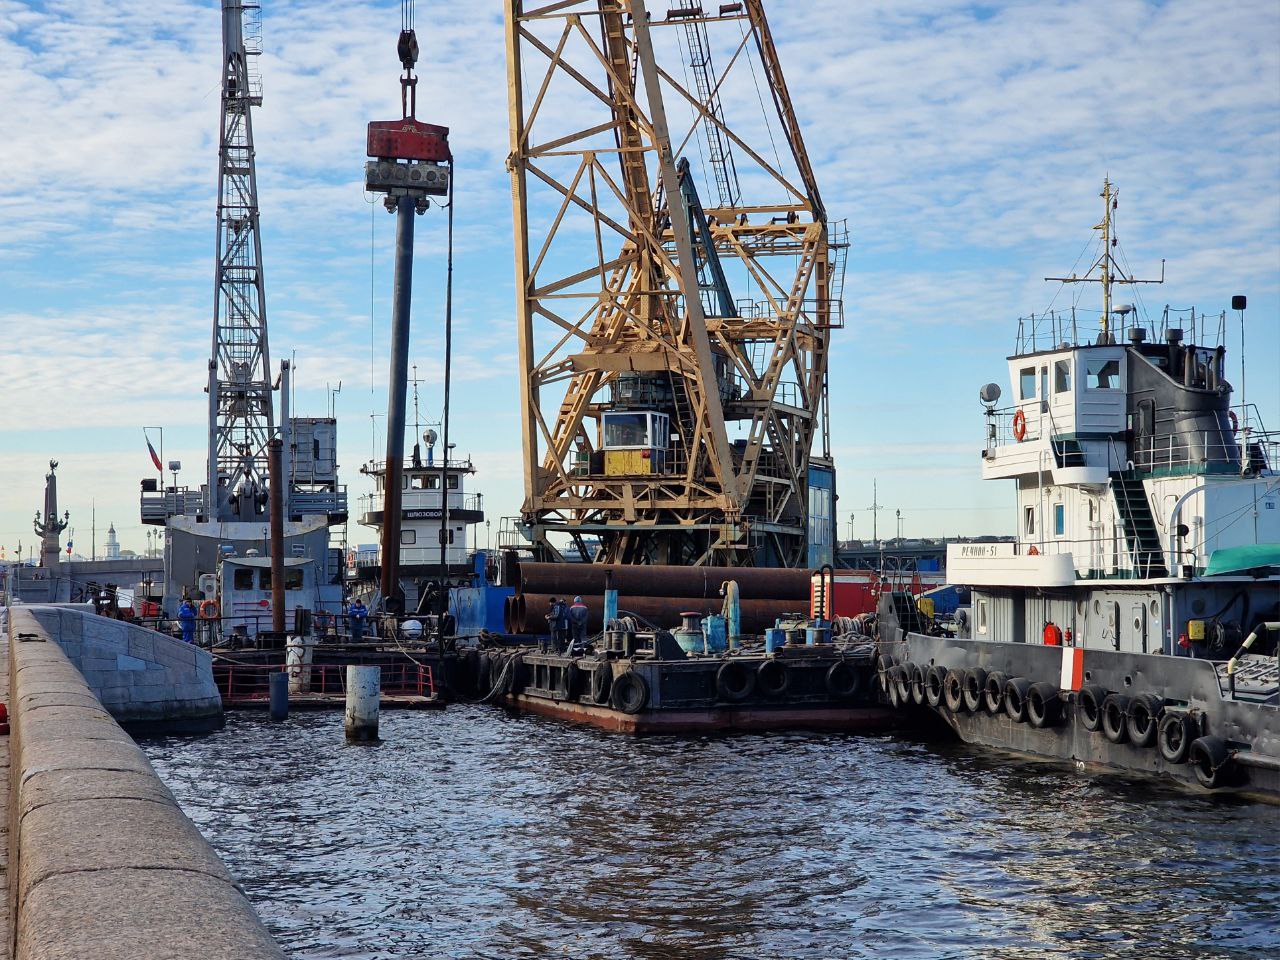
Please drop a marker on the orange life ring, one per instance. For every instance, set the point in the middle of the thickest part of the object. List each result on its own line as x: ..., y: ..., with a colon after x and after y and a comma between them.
x: 1052, y: 635
x: 1019, y: 426
x: 209, y: 610
x: 1235, y: 422
x: 1034, y: 551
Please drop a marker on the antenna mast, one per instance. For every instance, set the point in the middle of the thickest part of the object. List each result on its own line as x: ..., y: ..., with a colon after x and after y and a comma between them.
x: 241, y: 421
x: 1109, y: 271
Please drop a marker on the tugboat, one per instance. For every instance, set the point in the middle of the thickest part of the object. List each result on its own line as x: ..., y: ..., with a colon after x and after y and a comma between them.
x: 1133, y: 624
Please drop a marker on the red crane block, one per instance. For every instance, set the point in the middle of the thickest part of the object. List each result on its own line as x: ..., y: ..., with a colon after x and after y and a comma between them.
x: 408, y: 139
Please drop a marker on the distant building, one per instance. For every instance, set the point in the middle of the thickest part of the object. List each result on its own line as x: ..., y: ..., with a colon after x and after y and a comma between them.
x: 113, y: 545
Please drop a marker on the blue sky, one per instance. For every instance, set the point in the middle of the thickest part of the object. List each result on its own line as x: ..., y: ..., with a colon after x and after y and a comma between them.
x: 964, y: 144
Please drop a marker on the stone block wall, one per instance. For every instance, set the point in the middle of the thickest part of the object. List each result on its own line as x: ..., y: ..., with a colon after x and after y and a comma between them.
x: 141, y: 677
x: 103, y: 864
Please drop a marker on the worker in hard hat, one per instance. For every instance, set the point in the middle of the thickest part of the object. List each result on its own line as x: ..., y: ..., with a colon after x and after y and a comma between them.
x: 578, y: 613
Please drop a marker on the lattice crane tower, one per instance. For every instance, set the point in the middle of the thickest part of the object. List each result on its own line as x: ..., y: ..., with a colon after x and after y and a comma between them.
x: 673, y: 352
x: 241, y: 421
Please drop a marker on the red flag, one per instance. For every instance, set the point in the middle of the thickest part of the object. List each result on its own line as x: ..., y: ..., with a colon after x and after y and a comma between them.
x: 154, y: 458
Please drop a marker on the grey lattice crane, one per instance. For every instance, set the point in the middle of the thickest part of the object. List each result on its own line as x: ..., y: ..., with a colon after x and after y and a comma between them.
x: 241, y: 421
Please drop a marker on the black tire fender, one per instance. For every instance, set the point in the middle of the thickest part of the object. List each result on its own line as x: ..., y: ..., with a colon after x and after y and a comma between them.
x: 1015, y: 698
x: 630, y: 692
x: 934, y: 682
x: 1044, y: 705
x: 975, y: 683
x: 1173, y: 737
x: 773, y: 678
x: 1144, y: 719
x: 917, y: 685
x: 902, y: 675
x: 953, y: 691
x: 1210, y: 757
x: 735, y: 681
x: 843, y: 681
x: 993, y: 692
x: 1115, y: 717
x: 602, y: 682
x: 1089, y: 703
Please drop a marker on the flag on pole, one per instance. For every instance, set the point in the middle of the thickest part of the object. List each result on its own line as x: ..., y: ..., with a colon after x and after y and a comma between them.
x: 155, y: 458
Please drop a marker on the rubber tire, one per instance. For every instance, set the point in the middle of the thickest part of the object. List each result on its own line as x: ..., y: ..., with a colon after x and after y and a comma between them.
x: 1044, y: 705
x: 1174, y: 736
x: 570, y: 683
x: 843, y: 681
x: 726, y: 688
x: 630, y: 693
x: 519, y: 675
x: 1144, y: 719
x: 953, y: 691
x: 602, y: 682
x: 917, y: 686
x: 773, y: 678
x: 1089, y: 706
x: 1015, y: 698
x: 934, y: 681
x: 1115, y: 714
x: 993, y: 693
x: 974, y: 684
x: 902, y: 680
x: 884, y: 663
x: 892, y: 686
x: 1211, y: 760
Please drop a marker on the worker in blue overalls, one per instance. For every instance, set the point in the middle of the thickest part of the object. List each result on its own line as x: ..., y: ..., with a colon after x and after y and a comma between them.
x: 578, y: 626
x: 187, y: 621
x: 357, y: 613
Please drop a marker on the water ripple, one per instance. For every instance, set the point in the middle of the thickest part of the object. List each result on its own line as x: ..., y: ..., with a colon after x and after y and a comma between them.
x: 472, y: 834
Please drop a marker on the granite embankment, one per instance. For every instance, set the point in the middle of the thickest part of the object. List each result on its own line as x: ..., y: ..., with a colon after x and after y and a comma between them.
x: 102, y: 863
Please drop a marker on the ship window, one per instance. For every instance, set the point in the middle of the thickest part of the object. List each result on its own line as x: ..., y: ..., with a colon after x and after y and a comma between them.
x: 1029, y: 520
x: 433, y: 482
x: 417, y: 483
x: 1027, y: 383
x: 1062, y: 376
x: 293, y: 579
x: 982, y: 616
x: 408, y: 537
x: 453, y: 481
x: 1103, y: 374
x: 264, y: 578
x: 1059, y: 519
x: 243, y: 579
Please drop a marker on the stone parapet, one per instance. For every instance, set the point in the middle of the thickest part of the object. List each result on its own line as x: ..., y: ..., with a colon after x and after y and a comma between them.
x: 103, y: 862
x: 142, y: 678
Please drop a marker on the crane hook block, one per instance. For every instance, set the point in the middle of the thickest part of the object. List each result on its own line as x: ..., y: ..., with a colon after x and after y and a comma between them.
x: 408, y: 139
x: 407, y: 48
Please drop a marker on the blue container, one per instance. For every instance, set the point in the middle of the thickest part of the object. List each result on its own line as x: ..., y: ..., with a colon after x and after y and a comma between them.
x: 713, y: 629
x: 774, y: 638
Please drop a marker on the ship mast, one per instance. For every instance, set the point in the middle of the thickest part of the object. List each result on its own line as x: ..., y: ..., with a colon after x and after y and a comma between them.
x: 1109, y: 272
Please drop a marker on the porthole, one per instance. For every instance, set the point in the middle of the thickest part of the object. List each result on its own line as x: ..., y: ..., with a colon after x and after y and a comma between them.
x: 1082, y: 607
x: 1155, y: 608
x: 1097, y: 606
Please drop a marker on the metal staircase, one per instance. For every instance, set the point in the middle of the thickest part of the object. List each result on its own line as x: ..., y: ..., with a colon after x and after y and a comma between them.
x: 1139, y: 525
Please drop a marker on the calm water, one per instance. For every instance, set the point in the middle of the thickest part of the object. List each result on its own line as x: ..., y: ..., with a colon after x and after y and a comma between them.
x: 472, y: 834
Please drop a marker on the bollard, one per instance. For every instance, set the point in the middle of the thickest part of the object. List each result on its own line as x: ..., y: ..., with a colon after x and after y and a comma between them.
x: 279, y: 690
x: 364, y: 694
x: 299, y: 653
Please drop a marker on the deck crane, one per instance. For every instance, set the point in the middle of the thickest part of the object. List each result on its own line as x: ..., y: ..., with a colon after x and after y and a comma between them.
x: 673, y: 358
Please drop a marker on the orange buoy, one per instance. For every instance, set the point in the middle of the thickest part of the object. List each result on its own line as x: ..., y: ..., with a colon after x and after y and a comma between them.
x: 1019, y: 426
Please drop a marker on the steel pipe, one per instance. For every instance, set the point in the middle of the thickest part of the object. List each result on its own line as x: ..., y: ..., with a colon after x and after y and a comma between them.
x: 661, y: 581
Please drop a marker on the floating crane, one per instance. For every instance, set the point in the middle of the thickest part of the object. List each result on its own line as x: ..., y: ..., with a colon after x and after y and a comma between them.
x: 673, y: 354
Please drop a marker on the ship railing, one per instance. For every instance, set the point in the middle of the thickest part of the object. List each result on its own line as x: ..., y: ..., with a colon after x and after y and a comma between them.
x: 1002, y: 421
x: 1093, y: 558
x: 248, y: 683
x: 1249, y: 451
x: 417, y: 499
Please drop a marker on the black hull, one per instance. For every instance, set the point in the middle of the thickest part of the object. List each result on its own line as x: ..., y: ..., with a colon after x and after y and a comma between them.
x: 1250, y: 730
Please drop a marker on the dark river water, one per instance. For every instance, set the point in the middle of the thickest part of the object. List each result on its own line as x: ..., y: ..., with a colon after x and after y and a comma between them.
x: 472, y: 834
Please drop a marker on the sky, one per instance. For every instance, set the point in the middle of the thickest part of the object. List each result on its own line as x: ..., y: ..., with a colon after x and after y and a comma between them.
x: 965, y: 145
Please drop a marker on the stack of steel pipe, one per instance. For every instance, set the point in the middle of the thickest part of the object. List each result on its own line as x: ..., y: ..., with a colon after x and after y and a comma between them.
x: 657, y: 594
